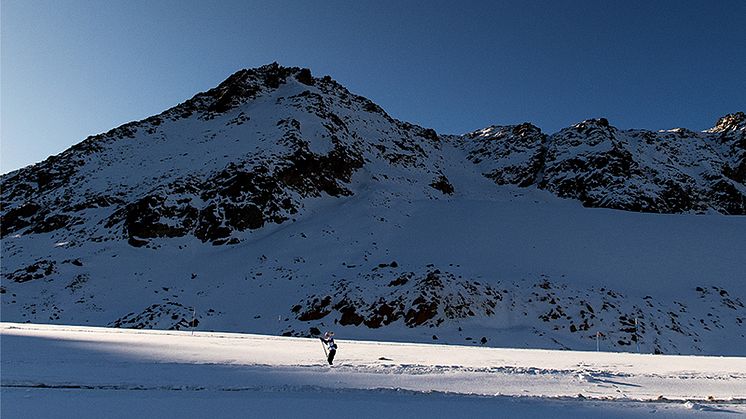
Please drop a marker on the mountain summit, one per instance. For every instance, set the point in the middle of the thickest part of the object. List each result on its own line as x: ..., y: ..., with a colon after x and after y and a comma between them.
x: 280, y: 202
x: 231, y: 159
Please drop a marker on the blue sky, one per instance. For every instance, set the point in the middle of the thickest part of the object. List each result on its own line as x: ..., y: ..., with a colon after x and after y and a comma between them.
x: 69, y: 69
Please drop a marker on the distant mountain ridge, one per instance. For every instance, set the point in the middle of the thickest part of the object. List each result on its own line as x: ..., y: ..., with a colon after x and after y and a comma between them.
x: 670, y: 171
x: 292, y: 181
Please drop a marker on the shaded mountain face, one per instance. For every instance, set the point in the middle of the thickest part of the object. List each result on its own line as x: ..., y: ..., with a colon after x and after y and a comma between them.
x: 249, y: 151
x: 279, y: 202
x: 672, y: 171
x: 232, y: 159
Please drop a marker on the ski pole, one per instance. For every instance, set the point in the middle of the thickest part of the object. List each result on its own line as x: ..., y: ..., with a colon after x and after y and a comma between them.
x: 325, y: 352
x: 194, y: 318
x: 637, y: 339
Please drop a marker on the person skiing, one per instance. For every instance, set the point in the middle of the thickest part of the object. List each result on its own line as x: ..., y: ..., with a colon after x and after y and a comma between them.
x: 328, y: 339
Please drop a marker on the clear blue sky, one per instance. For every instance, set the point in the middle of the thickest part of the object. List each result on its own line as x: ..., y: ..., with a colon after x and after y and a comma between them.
x: 71, y: 68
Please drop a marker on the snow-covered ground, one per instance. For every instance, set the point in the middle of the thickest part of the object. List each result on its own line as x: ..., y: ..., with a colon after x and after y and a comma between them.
x: 66, y: 371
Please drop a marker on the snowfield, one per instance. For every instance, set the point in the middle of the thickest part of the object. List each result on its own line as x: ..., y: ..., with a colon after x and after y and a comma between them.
x: 66, y: 371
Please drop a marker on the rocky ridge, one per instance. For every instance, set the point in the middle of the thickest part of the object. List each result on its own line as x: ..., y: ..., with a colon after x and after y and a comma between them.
x: 278, y: 162
x: 671, y: 171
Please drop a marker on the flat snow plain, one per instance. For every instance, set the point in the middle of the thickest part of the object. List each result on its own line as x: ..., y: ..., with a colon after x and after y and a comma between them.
x: 71, y: 371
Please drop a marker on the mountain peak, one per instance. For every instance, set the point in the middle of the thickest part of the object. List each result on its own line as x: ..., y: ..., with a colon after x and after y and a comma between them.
x: 498, y: 131
x: 593, y: 122
x: 732, y: 122
x: 246, y: 84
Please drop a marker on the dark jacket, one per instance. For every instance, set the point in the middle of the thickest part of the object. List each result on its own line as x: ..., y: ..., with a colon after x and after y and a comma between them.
x: 330, y: 342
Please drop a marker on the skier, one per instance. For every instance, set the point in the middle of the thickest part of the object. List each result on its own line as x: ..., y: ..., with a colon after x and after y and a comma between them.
x: 328, y: 339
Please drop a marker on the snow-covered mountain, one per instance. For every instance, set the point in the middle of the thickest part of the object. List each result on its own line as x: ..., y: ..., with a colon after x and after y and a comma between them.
x: 282, y: 203
x: 670, y: 171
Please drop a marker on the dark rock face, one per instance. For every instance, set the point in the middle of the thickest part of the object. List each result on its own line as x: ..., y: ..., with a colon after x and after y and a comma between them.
x: 234, y: 199
x: 507, y: 154
x: 246, y: 84
x: 442, y: 184
x: 573, y: 172
x: 19, y: 217
x: 417, y: 300
x: 304, y: 76
x: 318, y: 308
x: 665, y: 172
x: 310, y: 174
x: 635, y: 170
x: 237, y: 198
x: 38, y: 270
x: 169, y: 315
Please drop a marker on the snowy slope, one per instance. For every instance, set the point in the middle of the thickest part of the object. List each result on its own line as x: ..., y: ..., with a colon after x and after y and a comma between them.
x: 280, y: 203
x: 70, y: 369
